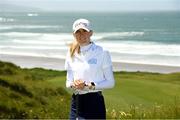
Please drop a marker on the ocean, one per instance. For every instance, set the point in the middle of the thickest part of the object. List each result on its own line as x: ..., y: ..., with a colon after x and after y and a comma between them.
x: 136, y: 37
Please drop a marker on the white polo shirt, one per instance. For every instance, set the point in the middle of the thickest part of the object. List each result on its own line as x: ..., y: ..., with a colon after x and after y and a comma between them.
x: 93, y: 64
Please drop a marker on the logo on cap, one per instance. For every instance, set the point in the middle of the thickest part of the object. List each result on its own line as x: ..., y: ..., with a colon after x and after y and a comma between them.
x: 81, y: 23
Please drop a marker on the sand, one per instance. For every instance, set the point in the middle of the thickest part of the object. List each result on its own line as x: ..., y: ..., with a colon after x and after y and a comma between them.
x: 58, y: 64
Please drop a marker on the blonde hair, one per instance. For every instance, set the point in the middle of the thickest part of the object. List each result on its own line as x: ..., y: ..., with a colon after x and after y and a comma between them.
x: 74, y: 47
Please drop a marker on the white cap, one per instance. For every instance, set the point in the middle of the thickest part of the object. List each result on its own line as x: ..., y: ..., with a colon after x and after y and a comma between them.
x: 81, y: 24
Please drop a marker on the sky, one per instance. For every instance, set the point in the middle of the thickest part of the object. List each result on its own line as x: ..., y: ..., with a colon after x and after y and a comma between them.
x: 99, y: 5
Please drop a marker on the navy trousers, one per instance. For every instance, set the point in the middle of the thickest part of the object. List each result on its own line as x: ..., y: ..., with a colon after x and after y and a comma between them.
x: 88, y: 106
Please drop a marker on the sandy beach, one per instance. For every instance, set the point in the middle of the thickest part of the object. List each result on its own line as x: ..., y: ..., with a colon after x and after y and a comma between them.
x: 58, y: 64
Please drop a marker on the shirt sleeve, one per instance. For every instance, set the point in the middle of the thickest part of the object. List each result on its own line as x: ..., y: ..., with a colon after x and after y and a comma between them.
x: 106, y: 59
x: 108, y: 81
x: 69, y: 78
x: 69, y: 74
x: 67, y: 62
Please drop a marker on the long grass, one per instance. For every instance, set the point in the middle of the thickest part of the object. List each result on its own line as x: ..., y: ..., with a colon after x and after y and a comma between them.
x: 26, y: 93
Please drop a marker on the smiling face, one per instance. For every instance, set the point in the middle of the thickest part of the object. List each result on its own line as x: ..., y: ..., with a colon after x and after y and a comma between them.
x: 82, y: 36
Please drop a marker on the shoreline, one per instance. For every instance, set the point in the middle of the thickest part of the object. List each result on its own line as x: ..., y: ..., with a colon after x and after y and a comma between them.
x: 58, y: 64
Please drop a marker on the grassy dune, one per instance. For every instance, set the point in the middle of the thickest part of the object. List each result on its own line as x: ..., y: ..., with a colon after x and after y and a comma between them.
x: 26, y: 93
x: 40, y: 93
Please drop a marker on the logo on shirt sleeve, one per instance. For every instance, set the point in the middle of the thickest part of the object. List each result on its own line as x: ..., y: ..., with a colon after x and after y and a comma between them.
x: 92, y: 61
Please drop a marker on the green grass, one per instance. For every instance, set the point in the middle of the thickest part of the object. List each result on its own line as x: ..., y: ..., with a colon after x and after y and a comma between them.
x: 40, y: 93
x: 140, y: 95
x: 26, y: 93
x: 144, y: 95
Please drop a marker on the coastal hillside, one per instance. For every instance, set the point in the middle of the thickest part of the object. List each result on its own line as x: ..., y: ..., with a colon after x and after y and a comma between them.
x: 41, y: 93
x: 26, y: 93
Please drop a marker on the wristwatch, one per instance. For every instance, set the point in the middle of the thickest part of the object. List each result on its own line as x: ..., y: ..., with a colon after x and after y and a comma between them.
x: 92, y: 86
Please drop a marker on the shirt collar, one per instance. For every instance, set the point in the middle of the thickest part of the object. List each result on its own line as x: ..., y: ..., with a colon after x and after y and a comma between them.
x: 86, y: 48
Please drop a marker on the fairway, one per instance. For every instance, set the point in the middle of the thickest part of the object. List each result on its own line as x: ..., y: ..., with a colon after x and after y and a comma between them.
x: 140, y: 95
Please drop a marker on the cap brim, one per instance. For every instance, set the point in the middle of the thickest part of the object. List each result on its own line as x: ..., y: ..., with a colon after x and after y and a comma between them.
x: 81, y: 28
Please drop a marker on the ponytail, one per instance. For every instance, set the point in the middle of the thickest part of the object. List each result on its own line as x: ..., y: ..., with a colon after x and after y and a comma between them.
x: 74, y: 47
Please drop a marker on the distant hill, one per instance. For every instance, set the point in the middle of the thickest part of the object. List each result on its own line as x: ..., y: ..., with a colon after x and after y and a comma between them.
x: 17, y: 8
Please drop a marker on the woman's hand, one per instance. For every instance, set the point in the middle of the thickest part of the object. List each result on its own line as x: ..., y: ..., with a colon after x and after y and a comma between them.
x: 78, y: 84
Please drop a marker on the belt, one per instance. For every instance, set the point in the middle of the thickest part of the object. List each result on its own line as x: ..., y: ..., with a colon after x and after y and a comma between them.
x: 87, y: 92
